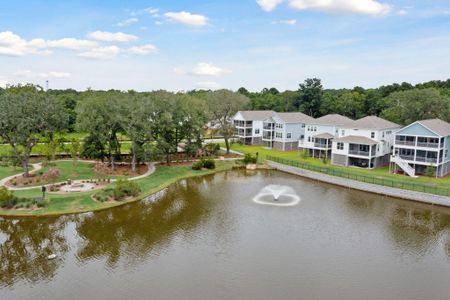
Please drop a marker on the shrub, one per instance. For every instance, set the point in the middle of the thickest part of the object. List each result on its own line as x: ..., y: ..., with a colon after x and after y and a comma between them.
x: 249, y: 159
x: 430, y: 171
x: 125, y: 188
x: 211, y: 149
x: 104, y: 195
x: 9, y: 201
x: 53, y: 173
x: 304, y: 154
x: 197, y: 166
x: 209, y: 164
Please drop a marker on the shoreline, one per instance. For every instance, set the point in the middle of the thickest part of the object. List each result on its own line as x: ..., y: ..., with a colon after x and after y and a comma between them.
x: 141, y: 197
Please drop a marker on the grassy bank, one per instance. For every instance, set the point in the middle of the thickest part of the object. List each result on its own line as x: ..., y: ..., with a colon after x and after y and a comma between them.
x: 82, y: 202
x: 379, y: 173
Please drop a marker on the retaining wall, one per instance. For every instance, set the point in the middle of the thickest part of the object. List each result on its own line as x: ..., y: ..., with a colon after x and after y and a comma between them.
x: 366, y: 187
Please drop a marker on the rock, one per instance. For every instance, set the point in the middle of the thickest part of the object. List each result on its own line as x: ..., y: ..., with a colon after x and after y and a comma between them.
x: 52, y: 256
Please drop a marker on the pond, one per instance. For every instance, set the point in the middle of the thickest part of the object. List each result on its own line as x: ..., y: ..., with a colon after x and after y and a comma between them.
x: 206, y: 238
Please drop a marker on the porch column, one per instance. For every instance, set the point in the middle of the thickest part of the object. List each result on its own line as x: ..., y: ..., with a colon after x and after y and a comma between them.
x: 437, y: 162
x: 370, y: 156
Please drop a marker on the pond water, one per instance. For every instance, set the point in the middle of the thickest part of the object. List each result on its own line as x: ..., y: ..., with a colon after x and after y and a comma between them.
x: 206, y: 238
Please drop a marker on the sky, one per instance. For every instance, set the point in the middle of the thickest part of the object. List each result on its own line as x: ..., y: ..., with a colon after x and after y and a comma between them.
x: 191, y: 44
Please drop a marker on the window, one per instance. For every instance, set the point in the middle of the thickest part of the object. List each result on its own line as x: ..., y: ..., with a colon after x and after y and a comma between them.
x: 256, y: 131
x: 278, y: 135
x: 372, y: 135
x: 315, y: 128
x: 288, y: 135
x: 383, y: 134
x: 340, y: 146
x: 309, y: 139
x: 343, y: 132
x: 303, y: 125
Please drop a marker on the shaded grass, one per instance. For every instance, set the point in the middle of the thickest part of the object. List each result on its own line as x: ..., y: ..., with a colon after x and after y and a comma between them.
x: 9, y: 171
x: 83, y: 202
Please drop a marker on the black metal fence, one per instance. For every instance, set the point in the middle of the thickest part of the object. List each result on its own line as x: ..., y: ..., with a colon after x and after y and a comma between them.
x: 401, y: 184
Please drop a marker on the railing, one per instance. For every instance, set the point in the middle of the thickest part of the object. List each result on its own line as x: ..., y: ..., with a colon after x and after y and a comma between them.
x: 406, y: 143
x: 359, y: 153
x: 322, y: 145
x: 407, y: 157
x: 265, y: 127
x: 268, y: 137
x: 428, y: 145
x: 412, y: 186
x: 426, y: 159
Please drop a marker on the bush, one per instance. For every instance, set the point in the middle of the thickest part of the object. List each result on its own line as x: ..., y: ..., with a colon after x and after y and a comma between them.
x: 211, y: 149
x: 304, y: 154
x: 197, y: 166
x: 430, y: 171
x: 249, y: 159
x: 125, y: 188
x: 104, y: 195
x: 209, y: 164
x: 9, y: 201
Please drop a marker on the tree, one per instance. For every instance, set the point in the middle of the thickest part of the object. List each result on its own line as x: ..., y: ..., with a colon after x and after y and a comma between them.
x: 349, y: 104
x: 223, y: 105
x: 99, y: 115
x: 26, y: 112
x: 311, y: 96
x: 409, y: 106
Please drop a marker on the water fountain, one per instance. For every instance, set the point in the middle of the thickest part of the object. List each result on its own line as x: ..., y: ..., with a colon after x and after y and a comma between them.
x: 277, y: 195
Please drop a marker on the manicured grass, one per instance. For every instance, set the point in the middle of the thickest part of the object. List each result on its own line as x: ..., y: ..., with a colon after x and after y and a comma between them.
x: 9, y: 171
x: 69, y: 170
x: 380, y: 173
x: 82, y: 202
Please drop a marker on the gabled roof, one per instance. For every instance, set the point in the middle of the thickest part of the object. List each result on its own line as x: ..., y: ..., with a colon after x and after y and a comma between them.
x: 256, y: 115
x: 437, y: 125
x: 374, y: 122
x: 324, y: 136
x: 294, y: 117
x: 353, y: 139
x: 333, y: 119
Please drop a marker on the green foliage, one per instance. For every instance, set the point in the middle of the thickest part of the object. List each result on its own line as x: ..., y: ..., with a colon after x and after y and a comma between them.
x: 209, y: 164
x: 93, y: 148
x: 197, y: 165
x: 9, y: 201
x: 249, y: 159
x: 417, y: 104
x: 124, y: 188
x: 304, y: 154
x: 310, y: 96
x: 104, y: 195
x: 430, y: 171
x: 211, y: 149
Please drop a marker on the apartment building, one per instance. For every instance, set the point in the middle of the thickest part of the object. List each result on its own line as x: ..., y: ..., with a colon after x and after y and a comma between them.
x: 420, y: 145
x: 284, y: 131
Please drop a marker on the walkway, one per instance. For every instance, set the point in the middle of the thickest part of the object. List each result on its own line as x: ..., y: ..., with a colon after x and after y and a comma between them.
x: 38, y: 166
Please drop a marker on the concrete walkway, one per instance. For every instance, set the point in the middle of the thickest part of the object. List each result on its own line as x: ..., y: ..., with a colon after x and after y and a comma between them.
x: 366, y: 187
x: 38, y: 166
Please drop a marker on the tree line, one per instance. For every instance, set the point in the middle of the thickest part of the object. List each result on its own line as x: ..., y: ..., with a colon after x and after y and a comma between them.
x: 156, y: 122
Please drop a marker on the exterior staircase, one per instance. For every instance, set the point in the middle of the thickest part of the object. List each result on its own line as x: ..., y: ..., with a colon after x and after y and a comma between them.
x: 404, y: 165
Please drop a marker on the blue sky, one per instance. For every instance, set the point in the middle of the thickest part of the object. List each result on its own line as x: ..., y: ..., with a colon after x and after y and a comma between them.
x: 182, y: 45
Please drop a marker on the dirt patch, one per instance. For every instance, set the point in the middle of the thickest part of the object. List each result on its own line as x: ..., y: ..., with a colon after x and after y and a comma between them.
x: 119, y: 170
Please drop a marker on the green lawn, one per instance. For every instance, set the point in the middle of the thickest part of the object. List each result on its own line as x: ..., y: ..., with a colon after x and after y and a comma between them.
x: 68, y: 170
x: 381, y: 173
x: 82, y: 202
x: 9, y: 171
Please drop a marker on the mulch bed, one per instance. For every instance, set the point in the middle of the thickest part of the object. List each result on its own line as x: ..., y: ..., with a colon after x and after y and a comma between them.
x: 120, y: 169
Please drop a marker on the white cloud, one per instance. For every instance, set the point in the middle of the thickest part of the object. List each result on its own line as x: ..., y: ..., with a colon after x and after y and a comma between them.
x: 13, y: 45
x: 127, y: 22
x: 369, y: 7
x: 402, y: 12
x: 187, y: 18
x: 286, y: 22
x: 71, y: 44
x: 268, y: 5
x: 3, y: 82
x: 101, y: 53
x: 143, y: 50
x: 105, y: 36
x: 149, y: 10
x: 51, y: 74
x: 208, y: 69
x: 158, y: 23
x: 208, y: 85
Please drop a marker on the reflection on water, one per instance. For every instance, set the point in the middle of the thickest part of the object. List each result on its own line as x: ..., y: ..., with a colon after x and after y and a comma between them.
x: 209, y: 231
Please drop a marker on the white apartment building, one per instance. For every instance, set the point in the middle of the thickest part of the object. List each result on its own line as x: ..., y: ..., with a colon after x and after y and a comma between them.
x: 283, y: 131
x: 249, y: 126
x: 367, y: 143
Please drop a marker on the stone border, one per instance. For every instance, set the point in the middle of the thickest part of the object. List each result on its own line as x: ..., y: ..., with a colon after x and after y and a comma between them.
x: 365, y: 187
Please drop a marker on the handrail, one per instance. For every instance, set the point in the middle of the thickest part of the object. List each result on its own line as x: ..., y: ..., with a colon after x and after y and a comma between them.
x: 412, y: 186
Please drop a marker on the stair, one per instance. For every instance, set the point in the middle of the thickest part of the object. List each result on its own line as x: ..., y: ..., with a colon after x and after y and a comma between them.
x: 404, y: 165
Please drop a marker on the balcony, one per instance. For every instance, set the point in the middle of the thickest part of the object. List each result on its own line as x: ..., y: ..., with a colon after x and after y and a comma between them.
x: 268, y: 136
x: 432, y: 160
x: 322, y: 145
x: 359, y: 153
x: 244, y: 132
x: 407, y: 157
x: 269, y: 127
x: 405, y: 143
x: 428, y: 145
x: 243, y: 124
